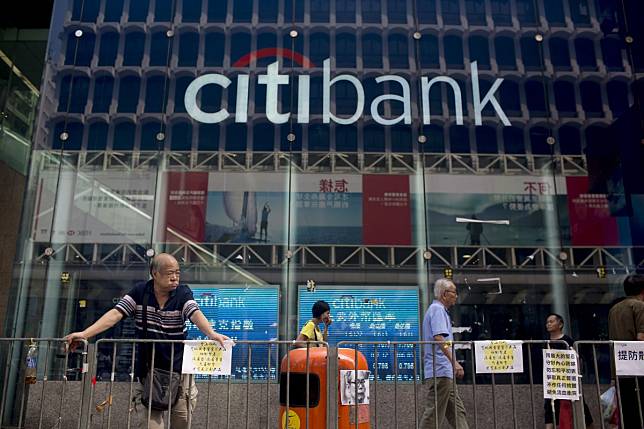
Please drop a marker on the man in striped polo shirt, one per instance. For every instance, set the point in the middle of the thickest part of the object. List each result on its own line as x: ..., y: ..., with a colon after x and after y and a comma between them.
x: 169, y: 305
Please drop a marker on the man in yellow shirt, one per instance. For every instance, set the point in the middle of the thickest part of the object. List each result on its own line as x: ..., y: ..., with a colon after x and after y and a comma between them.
x: 311, y: 330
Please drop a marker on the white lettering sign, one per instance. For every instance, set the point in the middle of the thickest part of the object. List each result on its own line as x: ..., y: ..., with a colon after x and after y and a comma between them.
x: 629, y: 357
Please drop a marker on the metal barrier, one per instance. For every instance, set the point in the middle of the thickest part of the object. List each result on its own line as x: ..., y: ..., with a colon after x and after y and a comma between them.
x: 603, y: 377
x: 27, y: 360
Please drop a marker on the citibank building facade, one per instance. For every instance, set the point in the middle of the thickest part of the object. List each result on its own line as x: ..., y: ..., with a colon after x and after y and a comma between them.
x: 354, y: 151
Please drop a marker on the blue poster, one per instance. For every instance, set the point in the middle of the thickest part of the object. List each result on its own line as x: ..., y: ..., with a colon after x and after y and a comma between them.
x: 371, y: 314
x: 242, y: 313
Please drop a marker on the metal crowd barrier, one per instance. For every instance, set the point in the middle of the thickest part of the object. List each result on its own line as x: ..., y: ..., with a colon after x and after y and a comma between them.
x: 600, y: 373
x: 35, y: 368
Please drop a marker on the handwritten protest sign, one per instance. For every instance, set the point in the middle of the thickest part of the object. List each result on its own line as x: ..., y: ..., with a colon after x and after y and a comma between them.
x: 560, y: 376
x: 494, y: 357
x: 207, y: 358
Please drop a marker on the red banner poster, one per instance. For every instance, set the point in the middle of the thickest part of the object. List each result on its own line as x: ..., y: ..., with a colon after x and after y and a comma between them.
x: 386, y: 210
x: 186, y: 206
x: 590, y: 221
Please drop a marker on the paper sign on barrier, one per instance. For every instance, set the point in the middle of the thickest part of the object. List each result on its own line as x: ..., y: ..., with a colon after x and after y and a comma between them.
x: 629, y: 357
x: 207, y: 358
x: 495, y: 357
x: 560, y: 375
x: 350, y: 386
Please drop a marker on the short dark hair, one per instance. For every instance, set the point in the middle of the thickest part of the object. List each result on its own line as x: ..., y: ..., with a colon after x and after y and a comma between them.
x: 319, y: 308
x: 559, y: 318
x: 633, y: 284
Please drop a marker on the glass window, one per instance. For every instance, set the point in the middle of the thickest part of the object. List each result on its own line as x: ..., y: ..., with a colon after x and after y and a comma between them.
x: 397, y: 11
x: 319, y: 48
x: 426, y: 10
x: 113, y: 11
x: 260, y: 97
x: 486, y: 140
x: 565, y: 99
x: 214, y: 50
x: 242, y: 10
x: 239, y: 47
x: 585, y: 49
x: 180, y: 86
x: 345, y: 10
x: 480, y: 52
x: 188, y: 49
x: 163, y: 10
x: 526, y: 12
x: 208, y: 139
x: 296, y: 45
x: 159, y: 49
x: 559, y: 53
x: 75, y: 101
x: 285, y: 145
x: 346, y: 138
x: 535, y: 98
x: 129, y: 87
x: 316, y: 101
x: 81, y: 55
x: 579, y: 12
x: 459, y: 139
x: 149, y: 133
x: 133, y: 51
x: 484, y: 87
x: 211, y: 98
x: 436, y: 98
x: 617, y: 97
x: 612, y: 53
x: 453, y: 52
x: 345, y: 46
x: 109, y: 48
x: 429, y: 55
x: 501, y: 12
x: 569, y: 140
x: 538, y: 136
x: 554, y: 12
x: 263, y: 137
x: 191, y: 11
x: 267, y: 10
x: 435, y: 139
x: 155, y: 89
x: 124, y: 133
x: 236, y: 137
x: 345, y: 98
x: 513, y: 141
x: 103, y: 90
x: 372, y: 51
x: 401, y: 139
x: 475, y: 11
x: 398, y: 52
x: 319, y: 10
x: 319, y: 138
x: 531, y: 53
x: 505, y: 55
x: 374, y: 138
x: 85, y: 10
x: 451, y: 98
x: 97, y: 136
x: 181, y: 139
x: 75, y: 132
x: 138, y: 10
x: 372, y: 89
x: 217, y: 10
x: 451, y: 12
x: 371, y: 10
x: 293, y: 11
x: 509, y: 98
x: 591, y: 99
x: 266, y: 41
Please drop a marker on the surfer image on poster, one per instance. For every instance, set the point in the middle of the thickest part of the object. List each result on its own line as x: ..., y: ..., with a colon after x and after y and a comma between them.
x: 348, y: 383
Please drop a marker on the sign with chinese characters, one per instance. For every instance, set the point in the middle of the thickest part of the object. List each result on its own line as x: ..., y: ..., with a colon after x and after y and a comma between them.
x: 560, y: 375
x: 371, y: 314
x: 354, y: 387
x: 496, y: 357
x: 629, y: 357
x: 242, y: 313
x: 207, y: 358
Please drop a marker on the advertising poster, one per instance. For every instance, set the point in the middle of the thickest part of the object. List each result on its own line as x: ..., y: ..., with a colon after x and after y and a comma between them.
x: 186, y: 206
x: 242, y: 314
x: 528, y: 203
x: 253, y: 208
x: 386, y: 212
x: 498, y: 357
x: 94, y: 207
x: 370, y: 314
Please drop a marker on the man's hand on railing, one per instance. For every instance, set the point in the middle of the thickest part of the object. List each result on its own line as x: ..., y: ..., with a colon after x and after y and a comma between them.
x: 74, y: 339
x: 220, y: 338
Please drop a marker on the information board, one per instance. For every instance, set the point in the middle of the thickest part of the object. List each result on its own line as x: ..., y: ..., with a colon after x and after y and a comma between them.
x: 371, y: 314
x: 242, y: 313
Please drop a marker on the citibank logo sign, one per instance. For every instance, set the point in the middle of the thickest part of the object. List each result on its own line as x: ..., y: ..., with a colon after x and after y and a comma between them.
x: 273, y: 79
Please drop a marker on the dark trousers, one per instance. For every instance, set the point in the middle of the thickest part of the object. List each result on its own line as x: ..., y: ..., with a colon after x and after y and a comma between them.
x: 632, y: 403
